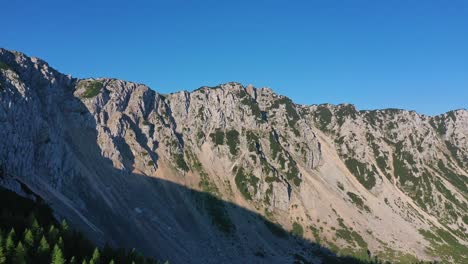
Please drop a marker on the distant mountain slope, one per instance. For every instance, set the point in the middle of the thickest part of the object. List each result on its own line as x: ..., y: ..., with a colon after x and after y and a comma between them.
x: 203, y: 175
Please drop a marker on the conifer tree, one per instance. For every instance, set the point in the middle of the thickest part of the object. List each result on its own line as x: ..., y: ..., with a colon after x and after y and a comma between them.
x: 28, y: 239
x: 52, y: 234
x: 36, y: 229
x: 12, y: 234
x: 2, y: 253
x: 19, y: 256
x: 43, y: 250
x: 73, y: 260
x: 43, y: 245
x: 10, y: 244
x: 64, y: 227
x: 57, y: 256
x: 96, y: 257
x: 60, y: 243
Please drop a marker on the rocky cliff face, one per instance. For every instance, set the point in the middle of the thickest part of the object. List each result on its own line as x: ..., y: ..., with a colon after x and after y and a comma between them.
x: 212, y: 174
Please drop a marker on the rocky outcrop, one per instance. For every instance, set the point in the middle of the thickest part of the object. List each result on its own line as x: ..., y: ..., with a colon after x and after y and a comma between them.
x: 196, y: 175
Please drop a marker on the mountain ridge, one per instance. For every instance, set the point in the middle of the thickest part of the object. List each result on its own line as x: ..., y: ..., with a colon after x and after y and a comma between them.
x: 235, y: 82
x: 330, y: 173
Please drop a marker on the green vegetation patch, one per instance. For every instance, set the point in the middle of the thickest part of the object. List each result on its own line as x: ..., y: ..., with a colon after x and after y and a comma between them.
x: 316, y: 234
x: 297, y: 230
x: 339, y: 141
x: 200, y: 114
x: 457, y: 180
x: 206, y: 185
x: 200, y: 135
x: 324, y: 117
x: 424, y: 194
x: 293, y: 173
x: 268, y: 194
x: 92, y: 89
x: 396, y: 256
x: 340, y: 185
x: 438, y: 125
x: 220, y: 218
x: 282, y: 161
x: 271, y: 179
x: 217, y: 137
x: 346, y: 111
x: 372, y: 117
x: 266, y: 167
x: 350, y: 236
x: 445, y: 246
x: 275, y: 146
x: 244, y: 182
x: 232, y: 140
x: 465, y: 219
x: 452, y: 116
x: 454, y: 151
x: 357, y: 200
x: 291, y: 112
x: 180, y: 162
x: 401, y: 170
x: 252, y: 104
x: 383, y: 166
x: 4, y: 66
x: 276, y: 229
x: 252, y: 141
x: 291, y: 170
x: 365, y: 176
x: 289, y: 105
x: 215, y: 207
x: 447, y: 193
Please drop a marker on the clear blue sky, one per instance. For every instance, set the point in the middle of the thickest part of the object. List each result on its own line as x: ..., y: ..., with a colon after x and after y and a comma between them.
x: 376, y: 54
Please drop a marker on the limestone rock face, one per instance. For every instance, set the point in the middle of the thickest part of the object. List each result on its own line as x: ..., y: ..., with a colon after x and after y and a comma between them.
x: 195, y: 175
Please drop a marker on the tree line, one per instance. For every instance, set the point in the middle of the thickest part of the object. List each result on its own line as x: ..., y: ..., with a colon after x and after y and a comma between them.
x: 29, y: 233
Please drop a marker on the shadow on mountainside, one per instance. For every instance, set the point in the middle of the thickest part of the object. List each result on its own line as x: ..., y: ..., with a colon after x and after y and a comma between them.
x: 197, y: 212
x: 230, y: 225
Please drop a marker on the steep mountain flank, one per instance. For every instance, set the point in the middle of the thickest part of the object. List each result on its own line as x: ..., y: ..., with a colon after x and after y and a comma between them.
x: 215, y: 174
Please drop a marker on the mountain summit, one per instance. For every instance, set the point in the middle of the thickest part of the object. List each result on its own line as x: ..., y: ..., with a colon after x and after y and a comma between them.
x: 216, y: 175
